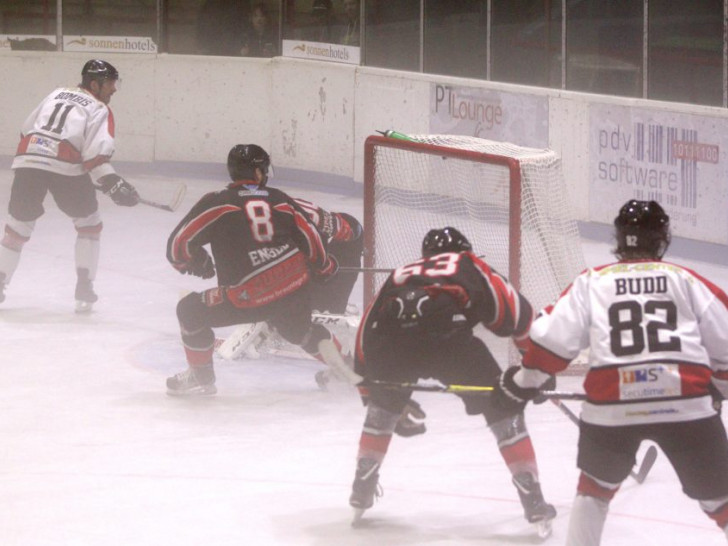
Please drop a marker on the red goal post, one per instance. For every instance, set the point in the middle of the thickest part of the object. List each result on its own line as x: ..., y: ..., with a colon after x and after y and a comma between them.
x: 510, y: 201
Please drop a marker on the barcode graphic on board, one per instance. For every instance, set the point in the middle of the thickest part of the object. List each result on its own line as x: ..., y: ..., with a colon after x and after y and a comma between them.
x: 658, y: 145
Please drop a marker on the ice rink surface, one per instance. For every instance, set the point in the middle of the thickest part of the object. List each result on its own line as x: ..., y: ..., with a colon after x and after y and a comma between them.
x: 95, y: 453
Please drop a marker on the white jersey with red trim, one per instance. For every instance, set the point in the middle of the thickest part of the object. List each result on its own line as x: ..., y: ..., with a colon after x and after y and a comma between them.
x: 69, y: 133
x: 657, y: 334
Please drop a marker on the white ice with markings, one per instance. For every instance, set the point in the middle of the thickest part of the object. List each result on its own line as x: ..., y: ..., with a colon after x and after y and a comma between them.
x: 95, y: 453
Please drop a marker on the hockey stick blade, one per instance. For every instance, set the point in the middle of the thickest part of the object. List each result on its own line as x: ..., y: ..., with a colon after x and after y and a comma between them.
x: 646, y: 466
x: 173, y: 204
x: 465, y: 389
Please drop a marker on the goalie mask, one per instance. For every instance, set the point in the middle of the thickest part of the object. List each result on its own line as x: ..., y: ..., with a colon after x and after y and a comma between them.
x: 244, y: 160
x: 642, y: 229
x: 447, y: 239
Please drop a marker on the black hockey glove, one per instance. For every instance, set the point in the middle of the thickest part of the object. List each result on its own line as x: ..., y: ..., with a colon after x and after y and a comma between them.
x: 509, y: 396
x: 411, y: 422
x: 121, y: 192
x: 201, y: 265
x: 550, y: 385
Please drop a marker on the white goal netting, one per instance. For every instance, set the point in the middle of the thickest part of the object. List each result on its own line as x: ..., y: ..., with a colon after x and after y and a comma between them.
x: 511, y: 203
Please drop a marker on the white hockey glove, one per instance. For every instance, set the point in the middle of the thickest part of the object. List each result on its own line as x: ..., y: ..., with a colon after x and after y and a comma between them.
x: 121, y: 192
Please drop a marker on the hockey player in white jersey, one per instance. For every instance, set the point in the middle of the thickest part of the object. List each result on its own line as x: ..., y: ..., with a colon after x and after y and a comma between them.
x: 65, y: 147
x: 658, y: 339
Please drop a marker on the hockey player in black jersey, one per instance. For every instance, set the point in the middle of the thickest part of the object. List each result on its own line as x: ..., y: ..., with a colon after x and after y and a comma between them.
x: 421, y: 326
x: 265, y: 252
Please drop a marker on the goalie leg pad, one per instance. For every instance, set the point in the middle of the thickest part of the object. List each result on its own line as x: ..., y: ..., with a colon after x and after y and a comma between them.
x: 244, y: 338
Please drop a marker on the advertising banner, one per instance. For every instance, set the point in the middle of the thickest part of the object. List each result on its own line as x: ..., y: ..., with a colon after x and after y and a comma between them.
x: 106, y: 44
x: 676, y: 159
x: 485, y: 113
x: 321, y: 52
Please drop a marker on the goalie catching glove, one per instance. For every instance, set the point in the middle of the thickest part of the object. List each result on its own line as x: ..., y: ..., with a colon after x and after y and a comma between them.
x: 121, y: 192
x: 512, y: 397
x: 201, y: 265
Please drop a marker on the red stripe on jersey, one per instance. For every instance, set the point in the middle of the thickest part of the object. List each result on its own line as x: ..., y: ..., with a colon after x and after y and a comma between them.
x: 603, y: 384
x: 316, y: 252
x: 22, y: 145
x: 721, y: 375
x: 540, y: 358
x: 180, y: 246
x: 112, y: 124
x: 271, y: 284
x: 695, y: 379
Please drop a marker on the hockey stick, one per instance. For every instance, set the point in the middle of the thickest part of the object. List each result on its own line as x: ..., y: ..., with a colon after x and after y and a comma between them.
x: 465, y: 389
x: 645, y: 466
x: 173, y: 204
x: 347, y: 269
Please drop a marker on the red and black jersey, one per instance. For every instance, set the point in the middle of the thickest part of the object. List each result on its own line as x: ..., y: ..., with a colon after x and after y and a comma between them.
x: 335, y: 226
x: 261, y: 241
x: 441, y: 296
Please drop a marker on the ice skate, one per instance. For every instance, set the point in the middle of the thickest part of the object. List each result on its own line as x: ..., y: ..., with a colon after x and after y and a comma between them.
x: 85, y: 295
x: 535, y: 508
x: 196, y: 381
x: 365, y: 488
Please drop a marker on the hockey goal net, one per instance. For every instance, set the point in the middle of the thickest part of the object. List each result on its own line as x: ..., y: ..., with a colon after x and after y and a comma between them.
x: 509, y: 201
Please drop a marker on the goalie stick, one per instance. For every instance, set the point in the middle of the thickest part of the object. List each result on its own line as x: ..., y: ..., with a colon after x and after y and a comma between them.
x: 644, y: 467
x: 465, y: 389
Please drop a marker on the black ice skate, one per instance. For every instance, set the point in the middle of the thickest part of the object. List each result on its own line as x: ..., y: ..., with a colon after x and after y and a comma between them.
x: 535, y: 508
x: 85, y: 295
x: 365, y: 487
x: 199, y: 380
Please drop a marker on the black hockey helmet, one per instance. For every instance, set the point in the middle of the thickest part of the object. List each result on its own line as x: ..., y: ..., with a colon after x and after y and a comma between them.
x: 642, y: 229
x: 244, y: 159
x: 447, y: 239
x: 99, y: 70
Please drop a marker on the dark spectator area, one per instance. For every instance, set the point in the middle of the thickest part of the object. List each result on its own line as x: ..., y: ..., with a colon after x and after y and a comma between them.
x: 673, y: 51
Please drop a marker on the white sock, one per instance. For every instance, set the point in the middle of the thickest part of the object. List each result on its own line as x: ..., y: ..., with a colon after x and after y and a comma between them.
x: 586, y: 522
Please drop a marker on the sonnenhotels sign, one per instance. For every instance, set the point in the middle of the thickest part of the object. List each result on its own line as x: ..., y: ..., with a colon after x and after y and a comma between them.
x: 320, y: 51
x: 105, y: 44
